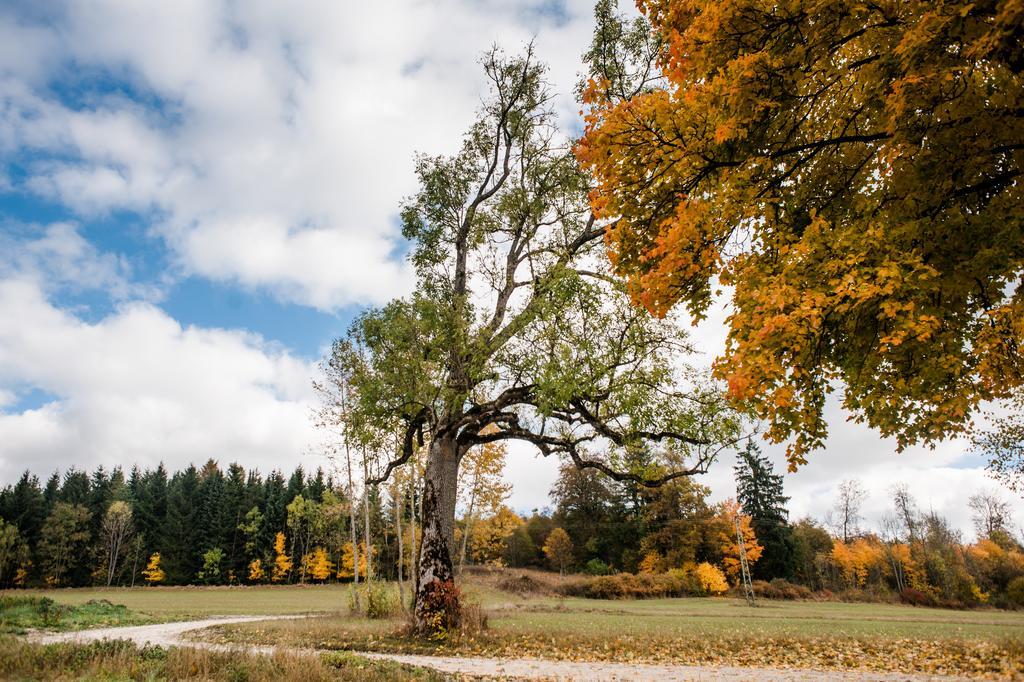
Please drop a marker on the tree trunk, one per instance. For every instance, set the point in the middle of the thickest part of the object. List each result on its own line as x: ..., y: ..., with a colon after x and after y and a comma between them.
x: 352, y: 527
x: 416, y: 513
x: 467, y: 529
x: 135, y: 563
x: 435, y: 606
x: 467, y: 526
x: 366, y: 521
x: 398, y: 536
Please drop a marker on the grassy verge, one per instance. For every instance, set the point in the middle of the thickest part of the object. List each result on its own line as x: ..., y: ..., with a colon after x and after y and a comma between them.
x: 121, y: 660
x: 19, y: 613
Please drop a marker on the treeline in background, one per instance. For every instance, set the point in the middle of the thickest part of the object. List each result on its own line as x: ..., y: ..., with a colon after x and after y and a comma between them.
x: 211, y: 526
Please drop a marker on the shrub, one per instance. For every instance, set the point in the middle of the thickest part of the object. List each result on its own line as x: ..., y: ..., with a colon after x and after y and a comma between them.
x: 781, y: 589
x: 440, y: 607
x: 916, y: 597
x: 711, y: 579
x: 675, y: 583
x: 597, y: 567
x: 1015, y: 592
x: 523, y: 585
x: 376, y: 600
x: 381, y: 601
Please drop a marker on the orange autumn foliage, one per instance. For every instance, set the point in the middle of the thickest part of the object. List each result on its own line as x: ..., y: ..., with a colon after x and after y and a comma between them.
x: 852, y: 170
x: 726, y: 538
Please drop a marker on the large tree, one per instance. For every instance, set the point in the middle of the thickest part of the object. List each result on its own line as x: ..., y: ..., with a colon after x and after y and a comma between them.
x: 63, y: 540
x: 759, y: 491
x: 852, y: 169
x: 516, y: 329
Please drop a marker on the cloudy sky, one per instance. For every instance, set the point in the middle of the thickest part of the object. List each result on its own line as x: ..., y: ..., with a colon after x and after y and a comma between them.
x: 197, y: 196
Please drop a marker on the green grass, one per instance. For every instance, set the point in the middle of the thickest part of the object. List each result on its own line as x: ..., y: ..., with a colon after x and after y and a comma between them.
x: 18, y: 613
x: 545, y: 615
x: 723, y: 616
x: 180, y: 603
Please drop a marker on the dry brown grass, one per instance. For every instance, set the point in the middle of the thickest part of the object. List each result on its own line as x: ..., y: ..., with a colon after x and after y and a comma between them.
x: 523, y: 582
x: 121, y: 660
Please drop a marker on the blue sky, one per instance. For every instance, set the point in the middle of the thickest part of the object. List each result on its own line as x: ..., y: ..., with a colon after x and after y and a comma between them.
x: 197, y: 196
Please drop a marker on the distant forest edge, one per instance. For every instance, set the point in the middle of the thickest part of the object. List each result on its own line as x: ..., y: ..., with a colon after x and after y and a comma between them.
x: 210, y: 526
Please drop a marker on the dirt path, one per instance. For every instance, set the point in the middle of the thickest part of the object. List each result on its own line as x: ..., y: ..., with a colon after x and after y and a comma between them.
x: 172, y: 634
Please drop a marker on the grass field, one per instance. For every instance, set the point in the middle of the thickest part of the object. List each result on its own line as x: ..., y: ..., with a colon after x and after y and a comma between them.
x: 541, y: 614
x: 692, y: 631
x: 180, y: 603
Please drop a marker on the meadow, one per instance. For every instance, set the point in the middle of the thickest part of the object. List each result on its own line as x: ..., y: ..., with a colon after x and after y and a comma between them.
x: 538, y: 622
x: 182, y: 603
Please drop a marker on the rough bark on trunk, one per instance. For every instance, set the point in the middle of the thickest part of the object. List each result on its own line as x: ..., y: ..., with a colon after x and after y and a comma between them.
x: 434, y: 589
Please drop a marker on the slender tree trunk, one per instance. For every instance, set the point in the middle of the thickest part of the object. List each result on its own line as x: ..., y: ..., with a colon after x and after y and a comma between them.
x: 352, y: 527
x: 366, y: 520
x: 414, y: 555
x: 135, y: 561
x: 435, y: 569
x: 467, y: 527
x: 398, y: 535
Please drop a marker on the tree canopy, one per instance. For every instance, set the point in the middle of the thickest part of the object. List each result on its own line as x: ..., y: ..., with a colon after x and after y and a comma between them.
x: 516, y: 329
x: 851, y: 170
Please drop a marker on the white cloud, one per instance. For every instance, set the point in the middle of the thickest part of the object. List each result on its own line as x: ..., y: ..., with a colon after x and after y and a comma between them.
x: 136, y: 387
x: 56, y: 257
x: 283, y: 141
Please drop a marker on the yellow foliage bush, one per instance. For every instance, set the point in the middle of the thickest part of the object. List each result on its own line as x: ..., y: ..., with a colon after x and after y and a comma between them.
x: 711, y: 578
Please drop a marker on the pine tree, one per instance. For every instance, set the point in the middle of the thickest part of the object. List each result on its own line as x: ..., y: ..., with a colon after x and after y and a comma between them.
x: 181, y: 547
x: 150, y: 508
x: 232, y: 515
x: 25, y: 507
x: 75, y: 489
x: 51, y: 492
x: 210, y: 497
x: 760, y: 492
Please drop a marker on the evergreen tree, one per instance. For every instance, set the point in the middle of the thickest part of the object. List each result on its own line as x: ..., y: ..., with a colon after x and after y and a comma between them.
x: 182, y: 550
x: 51, y: 493
x: 296, y: 484
x: 275, y: 504
x: 232, y: 515
x: 75, y: 489
x: 150, y: 508
x: 25, y: 507
x: 315, y: 486
x: 210, y: 494
x: 759, y: 491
